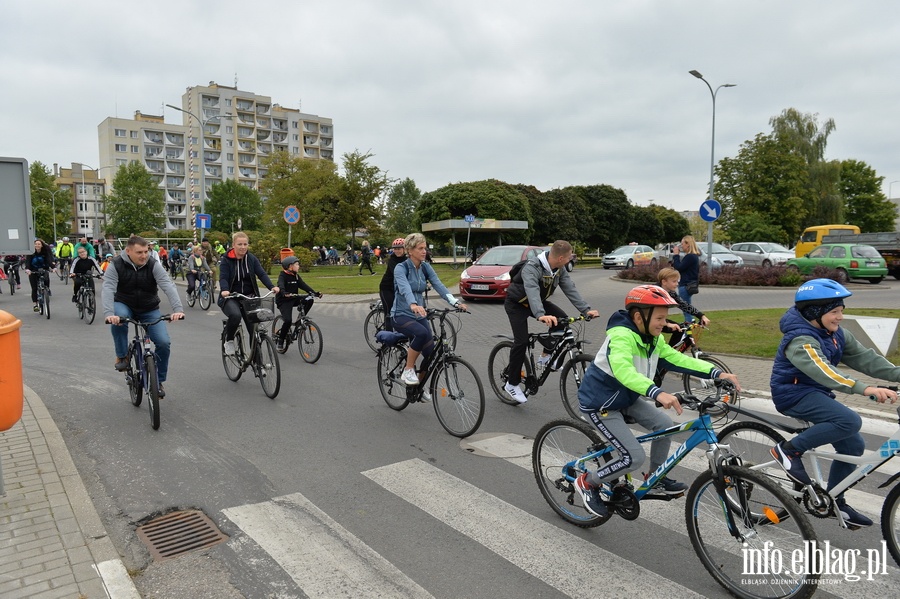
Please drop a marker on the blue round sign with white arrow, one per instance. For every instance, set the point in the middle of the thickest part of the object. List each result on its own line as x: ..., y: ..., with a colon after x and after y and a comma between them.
x: 710, y: 210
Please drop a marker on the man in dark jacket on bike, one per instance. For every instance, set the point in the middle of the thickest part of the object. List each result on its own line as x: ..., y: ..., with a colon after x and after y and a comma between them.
x: 527, y: 296
x: 131, y: 290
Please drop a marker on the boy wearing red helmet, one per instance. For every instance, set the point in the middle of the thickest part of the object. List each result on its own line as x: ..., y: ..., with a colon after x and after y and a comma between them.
x: 618, y: 382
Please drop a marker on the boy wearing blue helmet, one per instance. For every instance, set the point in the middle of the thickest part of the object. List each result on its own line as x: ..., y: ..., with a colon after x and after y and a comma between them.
x: 804, y: 378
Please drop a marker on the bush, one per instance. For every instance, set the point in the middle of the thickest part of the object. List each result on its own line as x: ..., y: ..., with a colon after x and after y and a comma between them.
x: 745, y: 276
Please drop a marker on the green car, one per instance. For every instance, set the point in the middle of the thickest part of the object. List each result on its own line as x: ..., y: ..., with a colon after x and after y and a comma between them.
x: 851, y: 261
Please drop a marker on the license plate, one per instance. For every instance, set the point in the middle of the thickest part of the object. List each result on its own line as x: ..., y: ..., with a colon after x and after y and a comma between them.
x: 477, y: 287
x: 873, y: 264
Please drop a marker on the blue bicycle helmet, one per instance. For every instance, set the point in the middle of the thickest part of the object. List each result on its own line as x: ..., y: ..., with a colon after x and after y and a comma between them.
x: 820, y: 291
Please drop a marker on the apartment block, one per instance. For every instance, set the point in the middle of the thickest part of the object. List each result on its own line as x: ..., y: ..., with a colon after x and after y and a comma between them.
x: 224, y: 133
x: 84, y: 189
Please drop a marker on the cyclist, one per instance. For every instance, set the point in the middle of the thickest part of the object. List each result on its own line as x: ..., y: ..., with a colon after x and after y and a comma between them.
x: 366, y: 258
x: 212, y: 259
x: 527, y: 296
x: 688, y: 265
x: 163, y: 256
x: 131, y: 290
x: 175, y: 256
x: 105, y: 264
x: 386, y: 288
x: 220, y: 249
x: 805, y: 377
x: 105, y: 247
x: 42, y: 258
x: 669, y: 279
x: 239, y: 271
x: 65, y: 252
x: 196, y: 263
x: 83, y: 242
x: 290, y: 283
x: 82, y: 265
x: 11, y: 266
x: 410, y: 280
x: 616, y: 383
x: 332, y: 255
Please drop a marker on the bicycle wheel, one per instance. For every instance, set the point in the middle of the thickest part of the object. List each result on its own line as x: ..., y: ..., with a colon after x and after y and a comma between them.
x: 90, y: 307
x: 206, y: 295
x: 450, y: 330
x: 769, y: 523
x: 752, y: 442
x: 153, y: 390
x: 276, y: 330
x: 700, y: 387
x: 234, y: 365
x: 133, y: 377
x: 267, y: 367
x: 570, y: 380
x: 374, y: 323
x: 391, y: 361
x: 47, y: 303
x: 458, y: 397
x: 498, y: 364
x: 556, y: 447
x: 890, y: 522
x: 309, y: 341
x: 191, y: 297
x: 79, y: 305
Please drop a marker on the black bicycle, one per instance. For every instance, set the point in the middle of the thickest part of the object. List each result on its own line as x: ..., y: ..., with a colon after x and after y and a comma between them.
x: 260, y: 356
x: 62, y: 271
x: 86, y: 300
x: 141, y: 372
x: 43, y: 291
x: 11, y: 268
x: 304, y: 331
x: 453, y: 384
x: 374, y: 323
x: 566, y: 352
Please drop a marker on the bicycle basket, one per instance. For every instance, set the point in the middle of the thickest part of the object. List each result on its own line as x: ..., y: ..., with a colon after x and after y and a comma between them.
x: 259, y: 309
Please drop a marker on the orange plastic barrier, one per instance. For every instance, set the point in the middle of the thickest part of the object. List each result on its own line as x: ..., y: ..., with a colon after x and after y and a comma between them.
x: 12, y: 391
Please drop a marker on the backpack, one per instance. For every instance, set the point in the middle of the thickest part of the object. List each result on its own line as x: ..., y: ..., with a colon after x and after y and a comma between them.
x: 516, y: 269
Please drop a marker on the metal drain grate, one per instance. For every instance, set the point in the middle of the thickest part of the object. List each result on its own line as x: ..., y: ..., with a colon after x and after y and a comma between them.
x: 178, y: 533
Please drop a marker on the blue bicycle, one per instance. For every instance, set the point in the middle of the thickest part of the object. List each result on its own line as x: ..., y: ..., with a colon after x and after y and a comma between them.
x: 731, y: 511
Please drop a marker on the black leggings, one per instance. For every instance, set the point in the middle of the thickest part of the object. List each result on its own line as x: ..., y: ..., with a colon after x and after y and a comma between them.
x: 287, y: 309
x: 387, y: 301
x: 518, y: 319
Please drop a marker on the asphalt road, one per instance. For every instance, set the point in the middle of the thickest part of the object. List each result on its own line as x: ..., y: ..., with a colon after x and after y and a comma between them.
x: 326, y: 468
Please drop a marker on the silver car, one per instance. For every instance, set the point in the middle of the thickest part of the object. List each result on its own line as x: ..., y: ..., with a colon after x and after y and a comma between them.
x: 721, y: 255
x: 760, y: 253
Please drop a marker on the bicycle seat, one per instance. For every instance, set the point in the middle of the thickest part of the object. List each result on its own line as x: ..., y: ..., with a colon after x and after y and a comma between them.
x: 390, y: 337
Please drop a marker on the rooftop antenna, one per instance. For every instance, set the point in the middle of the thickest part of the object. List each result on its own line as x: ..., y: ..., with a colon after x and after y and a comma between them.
x: 300, y: 105
x: 235, y: 80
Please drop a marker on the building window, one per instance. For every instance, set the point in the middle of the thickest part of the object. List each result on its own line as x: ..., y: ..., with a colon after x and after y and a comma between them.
x: 229, y: 143
x: 134, y: 134
x: 121, y: 162
x: 120, y: 133
x: 82, y: 207
x: 296, y: 137
x: 229, y: 129
x: 295, y: 124
x: 230, y: 157
x: 134, y: 149
x: 121, y: 148
x: 230, y: 170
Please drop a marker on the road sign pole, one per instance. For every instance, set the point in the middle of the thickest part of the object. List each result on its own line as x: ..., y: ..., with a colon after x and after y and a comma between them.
x: 289, y: 235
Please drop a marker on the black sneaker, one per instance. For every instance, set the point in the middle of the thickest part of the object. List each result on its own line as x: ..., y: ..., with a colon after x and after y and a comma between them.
x: 162, y: 391
x: 590, y: 496
x: 668, y: 486
x: 121, y: 364
x: 789, y: 460
x: 851, y: 516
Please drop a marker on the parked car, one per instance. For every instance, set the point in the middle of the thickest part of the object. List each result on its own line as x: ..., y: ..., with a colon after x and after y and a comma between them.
x: 488, y: 277
x: 761, y: 253
x: 852, y: 261
x: 721, y: 255
x: 628, y: 256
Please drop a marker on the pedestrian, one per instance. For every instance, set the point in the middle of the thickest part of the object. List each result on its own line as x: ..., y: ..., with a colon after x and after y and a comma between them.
x: 366, y: 258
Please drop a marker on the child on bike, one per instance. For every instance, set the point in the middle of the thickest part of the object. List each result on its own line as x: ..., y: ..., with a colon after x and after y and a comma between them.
x: 290, y: 283
x: 670, y: 279
x: 804, y: 379
x: 617, y: 385
x: 83, y: 265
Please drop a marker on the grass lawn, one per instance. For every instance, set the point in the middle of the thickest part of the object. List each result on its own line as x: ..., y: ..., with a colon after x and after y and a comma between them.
x: 345, y: 280
x: 756, y: 332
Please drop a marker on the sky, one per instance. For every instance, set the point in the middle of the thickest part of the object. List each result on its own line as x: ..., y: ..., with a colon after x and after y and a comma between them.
x: 538, y: 93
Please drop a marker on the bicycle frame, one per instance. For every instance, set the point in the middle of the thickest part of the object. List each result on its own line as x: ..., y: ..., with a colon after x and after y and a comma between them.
x: 564, y: 346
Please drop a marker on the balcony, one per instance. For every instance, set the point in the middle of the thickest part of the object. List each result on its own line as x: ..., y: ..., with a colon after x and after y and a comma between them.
x: 211, y: 156
x: 153, y: 137
x: 154, y: 166
x: 244, y: 104
x: 213, y: 144
x: 263, y: 108
x: 326, y: 142
x: 209, y: 101
x: 175, y: 154
x: 327, y: 155
x: 310, y: 127
x: 279, y: 124
x: 310, y: 152
x: 172, y: 181
x: 211, y: 129
x: 262, y: 135
x: 176, y: 197
x: 245, y: 132
x: 151, y: 152
x: 280, y: 148
x: 279, y: 137
x: 246, y: 118
x: 175, y: 169
x: 247, y: 173
x: 246, y: 146
x: 213, y: 171
x: 174, y: 139
x: 261, y: 122
x: 326, y: 129
x: 247, y: 159
x: 265, y: 149
x: 310, y: 140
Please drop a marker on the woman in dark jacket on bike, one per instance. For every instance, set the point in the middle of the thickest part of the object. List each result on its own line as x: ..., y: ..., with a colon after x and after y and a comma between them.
x: 688, y: 264
x: 238, y: 272
x: 42, y: 258
x: 386, y: 288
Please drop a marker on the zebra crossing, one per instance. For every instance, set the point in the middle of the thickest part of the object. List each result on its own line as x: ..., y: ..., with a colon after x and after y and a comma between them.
x: 326, y: 560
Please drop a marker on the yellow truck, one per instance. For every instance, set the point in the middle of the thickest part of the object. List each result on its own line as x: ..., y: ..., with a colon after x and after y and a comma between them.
x: 813, y: 237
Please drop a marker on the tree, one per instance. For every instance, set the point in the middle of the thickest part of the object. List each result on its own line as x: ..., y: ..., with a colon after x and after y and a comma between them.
x: 229, y: 201
x: 362, y: 187
x: 611, y: 215
x: 560, y: 214
x: 400, y: 209
x: 864, y: 204
x: 45, y: 196
x: 483, y: 199
x: 136, y: 202
x: 674, y: 226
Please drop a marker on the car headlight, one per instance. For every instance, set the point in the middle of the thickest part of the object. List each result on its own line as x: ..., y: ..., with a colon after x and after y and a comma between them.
x: 464, y: 275
x: 503, y: 277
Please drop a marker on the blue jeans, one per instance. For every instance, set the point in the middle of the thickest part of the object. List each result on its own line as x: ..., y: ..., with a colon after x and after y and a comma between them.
x: 159, y: 335
x: 834, y: 423
x: 683, y: 294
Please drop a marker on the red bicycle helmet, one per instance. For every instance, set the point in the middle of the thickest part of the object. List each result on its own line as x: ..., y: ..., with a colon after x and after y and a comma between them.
x: 648, y: 296
x: 398, y: 243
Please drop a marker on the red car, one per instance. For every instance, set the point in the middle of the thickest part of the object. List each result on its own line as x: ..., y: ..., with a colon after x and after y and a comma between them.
x: 488, y: 277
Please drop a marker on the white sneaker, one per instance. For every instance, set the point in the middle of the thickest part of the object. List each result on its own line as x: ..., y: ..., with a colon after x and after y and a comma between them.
x: 426, y: 397
x: 229, y: 348
x: 515, y: 392
x: 543, y: 360
x: 409, y: 377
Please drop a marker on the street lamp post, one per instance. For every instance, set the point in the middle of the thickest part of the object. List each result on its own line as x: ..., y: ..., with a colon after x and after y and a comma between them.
x: 53, y: 207
x: 203, y: 123
x: 712, y: 157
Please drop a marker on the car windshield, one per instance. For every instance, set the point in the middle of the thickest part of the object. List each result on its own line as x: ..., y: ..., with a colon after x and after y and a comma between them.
x: 501, y: 256
x: 864, y: 251
x: 625, y: 249
x: 774, y: 247
x: 717, y: 248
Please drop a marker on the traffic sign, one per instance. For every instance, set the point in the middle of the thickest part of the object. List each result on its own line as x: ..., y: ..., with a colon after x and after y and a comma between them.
x: 291, y: 215
x: 204, y: 221
x: 470, y: 218
x: 710, y: 210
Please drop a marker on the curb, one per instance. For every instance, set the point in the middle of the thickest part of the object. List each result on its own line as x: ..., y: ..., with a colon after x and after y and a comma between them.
x: 108, y: 563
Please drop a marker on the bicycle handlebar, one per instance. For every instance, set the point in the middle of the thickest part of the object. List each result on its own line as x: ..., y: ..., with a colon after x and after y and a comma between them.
x: 316, y: 294
x: 127, y: 320
x: 236, y: 295
x: 693, y: 402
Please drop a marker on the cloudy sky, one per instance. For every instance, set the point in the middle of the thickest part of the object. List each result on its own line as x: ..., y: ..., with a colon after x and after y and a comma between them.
x: 542, y: 93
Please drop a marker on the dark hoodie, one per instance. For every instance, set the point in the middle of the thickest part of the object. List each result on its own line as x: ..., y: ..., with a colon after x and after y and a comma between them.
x: 239, y: 276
